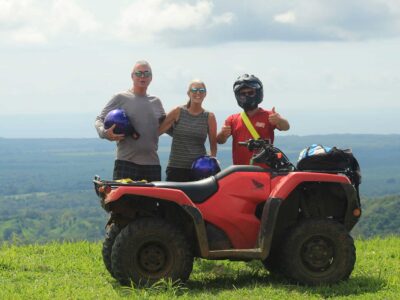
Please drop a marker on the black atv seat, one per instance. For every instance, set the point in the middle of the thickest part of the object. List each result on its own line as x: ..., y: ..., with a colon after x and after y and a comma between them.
x: 200, y: 191
x: 197, y: 191
x: 240, y: 168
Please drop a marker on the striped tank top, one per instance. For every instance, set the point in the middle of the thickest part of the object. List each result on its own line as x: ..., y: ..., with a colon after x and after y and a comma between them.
x: 188, y: 138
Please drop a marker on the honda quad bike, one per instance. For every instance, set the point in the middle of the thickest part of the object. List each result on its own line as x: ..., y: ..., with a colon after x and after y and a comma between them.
x: 296, y: 222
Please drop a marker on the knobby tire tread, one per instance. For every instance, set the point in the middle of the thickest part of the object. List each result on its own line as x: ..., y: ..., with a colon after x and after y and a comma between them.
x: 344, y: 257
x: 129, y: 240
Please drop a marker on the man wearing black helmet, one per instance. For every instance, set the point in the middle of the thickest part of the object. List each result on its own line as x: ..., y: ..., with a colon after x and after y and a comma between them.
x: 248, y: 91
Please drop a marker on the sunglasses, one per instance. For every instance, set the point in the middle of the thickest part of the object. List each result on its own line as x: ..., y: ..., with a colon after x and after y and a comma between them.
x: 249, y: 93
x: 142, y: 74
x: 200, y: 90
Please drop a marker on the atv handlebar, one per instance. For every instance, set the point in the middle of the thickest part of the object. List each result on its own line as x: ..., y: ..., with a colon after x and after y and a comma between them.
x: 266, y: 153
x: 255, y: 144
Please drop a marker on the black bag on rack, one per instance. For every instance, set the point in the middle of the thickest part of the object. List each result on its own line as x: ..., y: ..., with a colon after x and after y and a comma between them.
x: 330, y: 159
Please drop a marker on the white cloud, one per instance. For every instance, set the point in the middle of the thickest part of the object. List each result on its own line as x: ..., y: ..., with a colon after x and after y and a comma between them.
x: 36, y: 22
x: 348, y: 20
x: 13, y: 11
x: 66, y: 13
x: 150, y: 20
x: 195, y: 22
x: 177, y: 22
x: 311, y: 20
x: 226, y: 18
x: 28, y: 36
x: 287, y: 17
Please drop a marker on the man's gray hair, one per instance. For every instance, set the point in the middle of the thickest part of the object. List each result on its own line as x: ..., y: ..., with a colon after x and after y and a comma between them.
x: 142, y: 63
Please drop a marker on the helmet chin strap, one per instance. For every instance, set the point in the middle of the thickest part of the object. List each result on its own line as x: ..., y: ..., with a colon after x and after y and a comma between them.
x: 249, y: 105
x: 248, y: 108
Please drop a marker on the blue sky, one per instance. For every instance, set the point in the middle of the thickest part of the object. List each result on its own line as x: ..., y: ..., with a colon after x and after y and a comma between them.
x: 328, y: 66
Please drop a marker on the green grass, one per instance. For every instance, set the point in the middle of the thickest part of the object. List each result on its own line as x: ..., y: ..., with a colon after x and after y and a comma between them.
x: 76, y: 271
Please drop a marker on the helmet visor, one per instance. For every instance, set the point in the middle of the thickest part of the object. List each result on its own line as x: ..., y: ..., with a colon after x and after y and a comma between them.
x: 247, y: 92
x: 249, y: 84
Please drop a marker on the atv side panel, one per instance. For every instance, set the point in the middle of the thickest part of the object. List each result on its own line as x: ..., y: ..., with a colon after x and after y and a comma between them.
x: 232, y: 209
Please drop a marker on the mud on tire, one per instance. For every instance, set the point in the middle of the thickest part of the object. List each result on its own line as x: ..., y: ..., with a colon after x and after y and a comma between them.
x: 150, y: 249
x: 318, y: 251
x: 111, y: 233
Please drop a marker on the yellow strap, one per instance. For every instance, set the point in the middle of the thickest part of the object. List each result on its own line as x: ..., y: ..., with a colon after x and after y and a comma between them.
x: 249, y: 126
x: 128, y: 180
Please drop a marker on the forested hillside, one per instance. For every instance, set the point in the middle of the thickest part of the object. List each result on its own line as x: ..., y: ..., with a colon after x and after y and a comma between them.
x: 73, y: 216
x: 380, y: 217
x: 43, y: 217
x: 47, y: 191
x: 64, y: 165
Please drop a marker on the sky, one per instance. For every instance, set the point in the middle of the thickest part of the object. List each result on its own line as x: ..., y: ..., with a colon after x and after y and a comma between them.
x: 327, y: 66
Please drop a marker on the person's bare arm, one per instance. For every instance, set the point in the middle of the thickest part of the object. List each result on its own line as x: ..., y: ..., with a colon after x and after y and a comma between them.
x: 212, y: 134
x: 170, y: 119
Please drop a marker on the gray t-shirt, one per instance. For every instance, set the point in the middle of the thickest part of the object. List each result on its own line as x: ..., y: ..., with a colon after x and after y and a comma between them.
x: 145, y: 113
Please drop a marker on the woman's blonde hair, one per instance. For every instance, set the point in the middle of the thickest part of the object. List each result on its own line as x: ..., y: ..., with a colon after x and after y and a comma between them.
x: 198, y: 81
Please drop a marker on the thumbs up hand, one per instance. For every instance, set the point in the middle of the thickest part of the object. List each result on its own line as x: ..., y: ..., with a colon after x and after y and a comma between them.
x: 274, y: 118
x: 226, y: 130
x: 224, y: 134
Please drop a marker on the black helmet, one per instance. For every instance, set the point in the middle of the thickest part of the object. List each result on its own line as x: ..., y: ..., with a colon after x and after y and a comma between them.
x: 250, y: 81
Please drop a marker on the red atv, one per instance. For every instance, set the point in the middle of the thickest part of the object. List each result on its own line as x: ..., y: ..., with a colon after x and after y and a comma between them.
x: 296, y: 222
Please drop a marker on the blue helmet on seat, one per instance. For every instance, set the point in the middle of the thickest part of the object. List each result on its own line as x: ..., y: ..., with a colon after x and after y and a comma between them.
x: 205, y: 166
x: 120, y: 119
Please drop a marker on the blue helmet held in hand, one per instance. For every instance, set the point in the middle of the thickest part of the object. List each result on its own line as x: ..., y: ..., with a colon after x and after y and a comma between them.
x: 205, y: 166
x: 121, y: 121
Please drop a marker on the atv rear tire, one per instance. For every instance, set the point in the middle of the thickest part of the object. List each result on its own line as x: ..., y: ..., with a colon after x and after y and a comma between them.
x: 111, y: 233
x: 150, y: 249
x: 318, y: 252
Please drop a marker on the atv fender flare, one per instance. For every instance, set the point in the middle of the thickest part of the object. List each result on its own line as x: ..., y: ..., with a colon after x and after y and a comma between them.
x: 285, y: 185
x: 353, y: 202
x: 173, y: 195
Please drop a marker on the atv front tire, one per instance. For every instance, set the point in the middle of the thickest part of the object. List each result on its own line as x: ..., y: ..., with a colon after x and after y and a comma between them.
x: 273, y: 263
x: 318, y: 251
x: 150, y: 249
x: 111, y: 233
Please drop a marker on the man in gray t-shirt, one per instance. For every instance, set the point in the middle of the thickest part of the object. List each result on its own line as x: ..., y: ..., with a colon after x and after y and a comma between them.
x: 137, y: 159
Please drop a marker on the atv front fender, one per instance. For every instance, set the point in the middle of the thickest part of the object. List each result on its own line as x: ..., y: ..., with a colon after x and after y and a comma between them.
x: 282, y: 186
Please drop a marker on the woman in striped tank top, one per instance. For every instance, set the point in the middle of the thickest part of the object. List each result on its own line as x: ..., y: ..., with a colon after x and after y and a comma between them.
x: 191, y: 124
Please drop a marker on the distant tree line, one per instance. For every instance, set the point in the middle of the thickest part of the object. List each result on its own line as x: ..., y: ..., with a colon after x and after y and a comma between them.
x: 47, y: 191
x: 380, y: 217
x: 44, y: 217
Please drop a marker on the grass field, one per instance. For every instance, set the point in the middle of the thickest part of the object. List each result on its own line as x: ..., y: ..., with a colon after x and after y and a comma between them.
x: 76, y: 271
